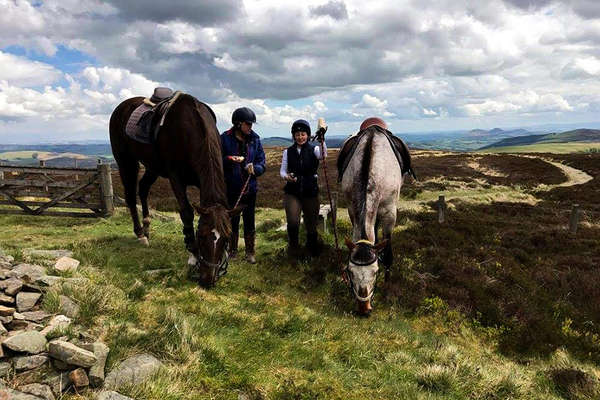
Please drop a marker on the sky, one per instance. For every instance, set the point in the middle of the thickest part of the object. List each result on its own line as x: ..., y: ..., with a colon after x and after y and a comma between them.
x: 422, y: 66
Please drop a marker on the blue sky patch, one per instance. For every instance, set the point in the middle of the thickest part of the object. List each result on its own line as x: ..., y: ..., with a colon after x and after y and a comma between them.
x: 66, y: 59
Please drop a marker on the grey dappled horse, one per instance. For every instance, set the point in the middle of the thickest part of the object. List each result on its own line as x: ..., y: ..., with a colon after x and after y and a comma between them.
x: 371, y: 183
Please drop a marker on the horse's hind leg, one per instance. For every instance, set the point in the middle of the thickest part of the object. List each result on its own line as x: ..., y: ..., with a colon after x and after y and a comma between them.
x: 145, y: 183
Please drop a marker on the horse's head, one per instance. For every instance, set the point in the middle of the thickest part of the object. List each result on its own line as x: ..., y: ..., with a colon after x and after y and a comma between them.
x: 362, y: 272
x: 212, y: 238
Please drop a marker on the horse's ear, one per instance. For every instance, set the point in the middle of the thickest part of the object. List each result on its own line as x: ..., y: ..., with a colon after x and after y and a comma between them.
x: 236, y: 211
x: 200, y: 210
x: 349, y: 244
x: 381, y: 245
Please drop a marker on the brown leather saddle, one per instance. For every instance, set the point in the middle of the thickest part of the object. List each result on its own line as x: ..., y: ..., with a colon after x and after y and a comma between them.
x: 147, y: 119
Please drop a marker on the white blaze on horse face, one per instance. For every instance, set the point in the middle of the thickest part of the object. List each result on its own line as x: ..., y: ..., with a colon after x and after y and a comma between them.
x: 363, y: 279
x: 192, y: 260
x: 217, y: 236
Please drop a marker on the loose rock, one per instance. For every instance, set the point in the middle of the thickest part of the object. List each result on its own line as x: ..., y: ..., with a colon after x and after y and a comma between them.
x: 110, y: 395
x: 35, y: 316
x: 31, y: 342
x: 79, y: 378
x: 11, y: 286
x: 6, y: 311
x: 64, y: 264
x: 58, y: 322
x: 29, y: 362
x: 26, y: 301
x: 5, y: 369
x: 96, y: 373
x: 71, y: 354
x: 132, y: 371
x: 4, y: 299
x: 6, y: 393
x: 37, y: 389
x: 58, y: 382
x: 29, y: 271
x: 55, y: 254
x: 68, y: 307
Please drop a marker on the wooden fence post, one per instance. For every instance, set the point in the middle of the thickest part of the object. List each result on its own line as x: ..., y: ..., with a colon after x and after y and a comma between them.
x: 441, y: 209
x: 574, y: 220
x: 106, y: 189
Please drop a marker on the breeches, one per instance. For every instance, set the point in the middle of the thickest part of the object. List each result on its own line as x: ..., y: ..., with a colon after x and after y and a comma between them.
x: 294, y: 206
x: 249, y: 199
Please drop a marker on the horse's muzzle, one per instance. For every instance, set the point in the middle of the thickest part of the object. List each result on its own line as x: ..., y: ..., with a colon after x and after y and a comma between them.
x: 207, y: 273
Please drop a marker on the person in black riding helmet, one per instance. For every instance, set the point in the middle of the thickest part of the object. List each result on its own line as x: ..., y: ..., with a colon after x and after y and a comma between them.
x: 299, y: 169
x: 243, y: 161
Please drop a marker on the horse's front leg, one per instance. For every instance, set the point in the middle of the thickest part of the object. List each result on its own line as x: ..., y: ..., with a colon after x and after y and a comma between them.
x: 129, y: 172
x: 144, y: 188
x: 186, y: 212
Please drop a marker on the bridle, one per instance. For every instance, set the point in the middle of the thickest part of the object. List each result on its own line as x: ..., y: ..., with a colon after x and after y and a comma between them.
x: 219, y: 268
x: 349, y: 281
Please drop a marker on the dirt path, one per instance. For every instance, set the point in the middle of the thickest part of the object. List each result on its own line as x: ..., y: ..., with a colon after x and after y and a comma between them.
x: 574, y: 176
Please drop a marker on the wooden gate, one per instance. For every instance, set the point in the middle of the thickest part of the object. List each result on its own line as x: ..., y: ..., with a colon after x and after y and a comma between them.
x: 34, y: 190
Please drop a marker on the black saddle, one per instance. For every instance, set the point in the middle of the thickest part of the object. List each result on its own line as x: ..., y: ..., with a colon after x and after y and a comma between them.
x: 400, y: 149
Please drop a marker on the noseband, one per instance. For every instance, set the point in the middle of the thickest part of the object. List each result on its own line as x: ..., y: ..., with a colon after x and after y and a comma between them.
x: 360, y: 264
x: 220, y: 268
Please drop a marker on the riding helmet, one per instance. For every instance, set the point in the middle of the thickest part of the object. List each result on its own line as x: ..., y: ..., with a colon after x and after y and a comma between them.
x: 243, y: 114
x: 372, y: 121
x: 300, y: 125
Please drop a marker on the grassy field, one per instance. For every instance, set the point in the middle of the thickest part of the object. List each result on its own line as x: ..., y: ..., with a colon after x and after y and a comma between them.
x: 557, y: 148
x: 499, y: 303
x: 22, y: 155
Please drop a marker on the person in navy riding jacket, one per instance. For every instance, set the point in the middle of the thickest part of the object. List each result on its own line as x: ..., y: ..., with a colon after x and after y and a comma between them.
x: 299, y: 169
x: 243, y: 161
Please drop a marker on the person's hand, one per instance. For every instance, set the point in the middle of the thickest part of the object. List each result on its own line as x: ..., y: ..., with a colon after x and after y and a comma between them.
x: 250, y: 168
x: 237, y: 159
x: 321, y: 133
x: 290, y: 178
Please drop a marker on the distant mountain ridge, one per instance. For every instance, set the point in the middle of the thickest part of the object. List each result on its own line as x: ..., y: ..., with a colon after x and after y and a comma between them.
x: 577, y: 135
x: 497, y: 132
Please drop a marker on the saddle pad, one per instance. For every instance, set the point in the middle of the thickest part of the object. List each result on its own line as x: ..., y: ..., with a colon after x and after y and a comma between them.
x: 135, y: 131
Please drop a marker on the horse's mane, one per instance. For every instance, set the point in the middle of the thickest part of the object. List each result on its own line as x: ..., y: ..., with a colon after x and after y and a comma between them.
x: 212, y: 186
x: 363, y: 177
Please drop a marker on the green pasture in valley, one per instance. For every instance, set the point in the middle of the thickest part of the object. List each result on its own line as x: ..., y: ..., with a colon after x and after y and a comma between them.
x: 20, y: 155
x: 559, y: 148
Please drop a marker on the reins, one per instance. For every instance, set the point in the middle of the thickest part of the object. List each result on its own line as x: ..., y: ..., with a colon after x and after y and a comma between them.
x: 333, y: 213
x: 242, y: 192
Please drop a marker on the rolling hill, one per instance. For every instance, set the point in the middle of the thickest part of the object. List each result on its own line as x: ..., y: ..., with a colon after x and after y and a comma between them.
x: 577, y: 135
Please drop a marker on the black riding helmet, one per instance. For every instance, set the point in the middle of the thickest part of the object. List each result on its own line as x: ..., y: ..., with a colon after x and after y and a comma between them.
x: 300, y: 125
x: 243, y: 114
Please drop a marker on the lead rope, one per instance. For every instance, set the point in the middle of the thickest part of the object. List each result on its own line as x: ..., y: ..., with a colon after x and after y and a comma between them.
x: 333, y: 217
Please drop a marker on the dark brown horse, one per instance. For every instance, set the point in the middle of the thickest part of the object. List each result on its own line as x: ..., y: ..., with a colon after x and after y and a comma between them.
x: 187, y: 151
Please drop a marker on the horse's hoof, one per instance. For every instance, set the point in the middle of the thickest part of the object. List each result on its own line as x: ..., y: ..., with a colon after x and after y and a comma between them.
x: 144, y: 240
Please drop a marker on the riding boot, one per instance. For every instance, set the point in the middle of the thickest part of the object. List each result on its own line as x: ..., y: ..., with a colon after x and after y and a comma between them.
x: 233, y: 244
x: 293, y: 246
x: 312, y: 244
x: 249, y: 239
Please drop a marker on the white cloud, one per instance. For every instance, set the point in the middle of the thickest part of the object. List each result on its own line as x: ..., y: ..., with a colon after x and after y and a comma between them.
x: 22, y: 72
